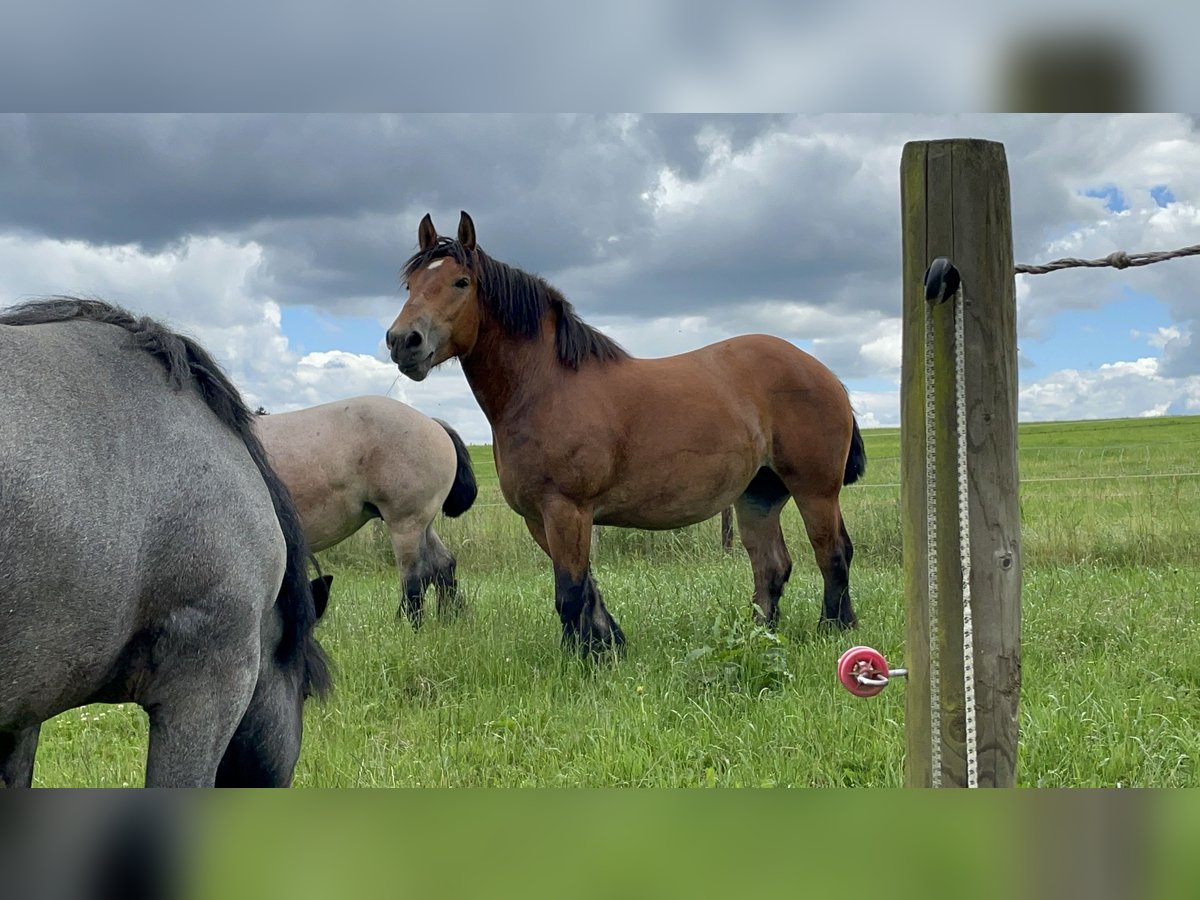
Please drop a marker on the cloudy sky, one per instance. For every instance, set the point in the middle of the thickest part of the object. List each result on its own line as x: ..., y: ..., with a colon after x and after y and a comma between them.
x: 277, y: 239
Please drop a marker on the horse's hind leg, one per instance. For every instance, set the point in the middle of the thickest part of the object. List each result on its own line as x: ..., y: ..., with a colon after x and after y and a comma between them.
x: 17, y: 751
x: 758, y: 512
x: 831, y: 544
x: 406, y: 545
x: 438, y: 567
x: 204, y: 677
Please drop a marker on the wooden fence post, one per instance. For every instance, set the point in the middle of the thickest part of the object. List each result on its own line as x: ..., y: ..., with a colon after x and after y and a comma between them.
x: 955, y: 203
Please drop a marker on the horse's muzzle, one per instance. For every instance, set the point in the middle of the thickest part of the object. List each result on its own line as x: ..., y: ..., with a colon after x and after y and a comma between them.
x: 411, y: 353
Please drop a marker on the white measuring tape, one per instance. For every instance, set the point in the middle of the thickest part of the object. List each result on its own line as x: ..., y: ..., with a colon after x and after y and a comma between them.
x: 931, y: 568
x: 964, y: 551
x: 964, y: 542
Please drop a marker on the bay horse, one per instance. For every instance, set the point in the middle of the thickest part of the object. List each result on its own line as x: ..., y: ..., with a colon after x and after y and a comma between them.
x: 149, y: 553
x: 351, y: 461
x: 585, y: 433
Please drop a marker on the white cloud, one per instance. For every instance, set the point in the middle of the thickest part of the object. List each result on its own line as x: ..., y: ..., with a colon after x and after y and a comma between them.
x: 317, y: 378
x: 1114, y: 390
x: 200, y: 281
x: 662, y: 335
x: 1160, y: 337
x: 445, y: 394
x: 876, y: 409
x: 200, y: 288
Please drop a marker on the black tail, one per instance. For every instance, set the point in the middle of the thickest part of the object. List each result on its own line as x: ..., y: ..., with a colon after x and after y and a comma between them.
x: 856, y: 462
x: 465, y: 490
x: 189, y: 364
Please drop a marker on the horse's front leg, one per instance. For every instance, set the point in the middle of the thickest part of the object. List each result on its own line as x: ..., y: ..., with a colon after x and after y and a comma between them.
x: 17, y: 751
x: 565, y: 534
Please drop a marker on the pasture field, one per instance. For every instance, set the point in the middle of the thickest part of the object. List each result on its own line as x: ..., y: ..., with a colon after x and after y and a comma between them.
x: 1111, y: 635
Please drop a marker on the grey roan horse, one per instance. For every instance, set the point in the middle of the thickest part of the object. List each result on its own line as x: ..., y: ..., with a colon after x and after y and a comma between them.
x: 148, y: 553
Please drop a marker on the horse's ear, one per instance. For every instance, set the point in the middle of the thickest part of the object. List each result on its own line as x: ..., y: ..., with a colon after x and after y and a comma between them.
x: 426, y: 233
x: 466, y: 231
x: 320, y: 592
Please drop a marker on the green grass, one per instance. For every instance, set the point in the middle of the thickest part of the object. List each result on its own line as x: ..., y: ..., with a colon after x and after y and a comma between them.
x: 1110, y: 695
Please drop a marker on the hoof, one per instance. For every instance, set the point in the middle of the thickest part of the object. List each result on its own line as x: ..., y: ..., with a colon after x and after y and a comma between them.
x: 452, y: 608
x: 768, y: 622
x: 414, y: 617
x: 839, y: 624
x: 618, y: 635
x: 570, y: 634
x: 598, y: 649
x: 450, y: 600
x: 590, y: 643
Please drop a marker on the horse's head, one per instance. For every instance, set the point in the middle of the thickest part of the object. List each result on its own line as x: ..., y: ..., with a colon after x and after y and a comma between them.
x: 440, y: 319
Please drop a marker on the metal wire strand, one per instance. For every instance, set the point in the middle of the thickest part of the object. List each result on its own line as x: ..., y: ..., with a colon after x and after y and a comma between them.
x: 1116, y: 260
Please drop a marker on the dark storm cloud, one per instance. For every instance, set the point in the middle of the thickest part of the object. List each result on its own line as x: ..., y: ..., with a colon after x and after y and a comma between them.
x: 154, y: 179
x: 754, y: 208
x: 68, y: 55
x: 675, y: 136
x: 533, y: 55
x: 335, y: 200
x: 318, y: 192
x: 62, y: 55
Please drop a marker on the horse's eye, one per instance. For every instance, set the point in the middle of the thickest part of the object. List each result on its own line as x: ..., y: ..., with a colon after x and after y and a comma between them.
x: 462, y: 282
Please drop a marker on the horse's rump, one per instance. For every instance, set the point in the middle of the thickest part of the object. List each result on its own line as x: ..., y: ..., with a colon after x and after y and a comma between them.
x: 128, y: 459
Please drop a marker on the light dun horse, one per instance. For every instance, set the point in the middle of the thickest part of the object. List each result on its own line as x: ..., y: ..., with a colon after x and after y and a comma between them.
x: 584, y: 433
x: 351, y: 461
x: 149, y: 554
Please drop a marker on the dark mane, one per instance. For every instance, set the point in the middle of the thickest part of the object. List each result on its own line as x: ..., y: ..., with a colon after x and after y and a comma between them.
x: 189, y: 365
x: 520, y: 301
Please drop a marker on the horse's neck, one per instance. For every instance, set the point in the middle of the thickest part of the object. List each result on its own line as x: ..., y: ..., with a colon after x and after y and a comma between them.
x: 509, y: 374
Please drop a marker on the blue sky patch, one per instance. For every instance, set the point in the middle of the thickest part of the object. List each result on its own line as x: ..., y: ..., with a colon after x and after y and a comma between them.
x: 1088, y: 338
x: 1114, y: 200
x: 1162, y: 195
x: 309, y: 330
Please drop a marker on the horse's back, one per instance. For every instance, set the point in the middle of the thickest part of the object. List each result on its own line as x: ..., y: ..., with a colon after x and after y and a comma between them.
x: 768, y: 363
x: 353, y: 421
x: 748, y: 389
x: 123, y: 501
x: 343, y: 460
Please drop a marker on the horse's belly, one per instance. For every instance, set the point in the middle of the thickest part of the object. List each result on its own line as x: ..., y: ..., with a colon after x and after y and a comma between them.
x: 669, y: 504
x: 64, y: 615
x: 655, y: 520
x: 329, y: 517
x: 40, y: 679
